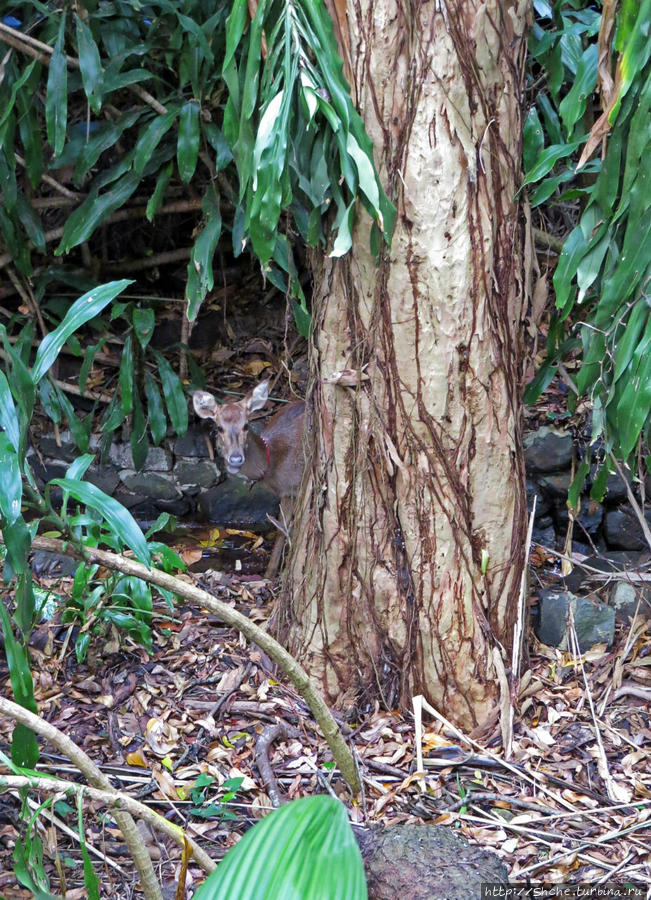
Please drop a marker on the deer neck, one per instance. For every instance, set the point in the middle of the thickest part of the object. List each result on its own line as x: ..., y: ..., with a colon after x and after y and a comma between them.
x: 257, y: 458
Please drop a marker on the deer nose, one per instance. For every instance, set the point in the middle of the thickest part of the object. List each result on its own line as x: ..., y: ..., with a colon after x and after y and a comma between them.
x: 235, y: 460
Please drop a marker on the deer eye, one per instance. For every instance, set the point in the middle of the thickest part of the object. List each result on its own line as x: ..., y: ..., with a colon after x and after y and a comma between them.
x: 219, y: 429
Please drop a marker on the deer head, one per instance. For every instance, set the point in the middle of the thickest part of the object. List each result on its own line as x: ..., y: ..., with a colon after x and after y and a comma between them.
x: 231, y: 422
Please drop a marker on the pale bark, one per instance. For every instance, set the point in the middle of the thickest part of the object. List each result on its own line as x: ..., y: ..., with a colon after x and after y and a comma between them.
x: 418, y: 472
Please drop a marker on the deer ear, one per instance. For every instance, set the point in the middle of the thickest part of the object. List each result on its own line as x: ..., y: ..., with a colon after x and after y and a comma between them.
x: 258, y: 396
x: 204, y: 404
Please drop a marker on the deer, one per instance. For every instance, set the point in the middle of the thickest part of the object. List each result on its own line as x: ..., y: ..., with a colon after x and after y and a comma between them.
x: 275, y: 456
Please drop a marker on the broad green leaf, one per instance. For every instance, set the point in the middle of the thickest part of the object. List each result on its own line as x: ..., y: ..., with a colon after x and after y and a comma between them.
x: 627, y: 343
x: 56, y: 97
x: 15, y: 91
x: 344, y: 227
x: 85, y: 219
x: 200, y: 272
x: 11, y: 487
x: 187, y: 148
x: 177, y: 407
x: 634, y: 407
x: 155, y: 410
x: 80, y: 430
x: 152, y: 136
x: 8, y: 415
x: 126, y: 377
x: 305, y: 849
x: 90, y: 65
x: 79, y: 467
x: 104, y: 138
x: 365, y: 171
x: 118, y: 519
x: 138, y: 439
x: 218, y: 142
x: 156, y: 200
x: 8, y: 184
x: 235, y: 24
x: 533, y: 138
x: 29, y: 125
x: 548, y: 159
x: 573, y: 105
x: 81, y: 311
x: 143, y: 324
x: 31, y: 222
x: 24, y: 748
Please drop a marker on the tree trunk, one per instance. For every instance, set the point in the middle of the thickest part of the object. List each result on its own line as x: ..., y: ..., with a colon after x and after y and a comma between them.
x: 408, y: 546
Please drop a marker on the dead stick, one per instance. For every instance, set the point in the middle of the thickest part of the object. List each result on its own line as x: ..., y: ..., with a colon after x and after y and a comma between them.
x: 112, y: 800
x: 132, y: 838
x: 295, y: 672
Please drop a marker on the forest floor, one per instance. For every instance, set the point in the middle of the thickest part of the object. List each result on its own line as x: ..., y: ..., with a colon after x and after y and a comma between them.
x: 572, y: 803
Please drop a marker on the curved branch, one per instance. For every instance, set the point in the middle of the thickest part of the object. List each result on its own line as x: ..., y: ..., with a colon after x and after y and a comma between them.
x: 112, y: 800
x: 294, y: 672
x: 132, y: 838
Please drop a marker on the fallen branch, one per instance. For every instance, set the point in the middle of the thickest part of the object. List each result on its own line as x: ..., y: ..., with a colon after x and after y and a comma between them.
x: 112, y: 800
x: 294, y: 672
x: 133, y: 840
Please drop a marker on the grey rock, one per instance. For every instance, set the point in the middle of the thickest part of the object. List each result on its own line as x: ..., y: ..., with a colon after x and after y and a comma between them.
x: 158, y: 459
x: 548, y: 450
x: 556, y: 485
x: 106, y: 478
x: 193, y: 443
x: 46, y: 564
x: 545, y: 536
x: 155, y: 485
x: 65, y: 451
x: 594, y: 621
x: 616, y: 487
x: 623, y: 530
x: 627, y: 600
x: 236, y: 502
x: 197, y: 473
x: 543, y: 504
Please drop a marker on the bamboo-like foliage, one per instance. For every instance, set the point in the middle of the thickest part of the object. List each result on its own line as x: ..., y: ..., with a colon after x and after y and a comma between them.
x: 602, y: 277
x: 255, y: 114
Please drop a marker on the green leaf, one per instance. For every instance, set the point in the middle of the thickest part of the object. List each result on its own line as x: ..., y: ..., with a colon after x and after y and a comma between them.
x: 572, y: 107
x: 235, y: 25
x: 85, y: 219
x: 126, y: 377
x: 187, y: 148
x: 15, y: 91
x: 548, y: 159
x: 628, y: 342
x: 90, y: 65
x: 152, y: 136
x: 24, y: 748
x: 31, y: 222
x: 79, y: 429
x: 305, y: 849
x: 533, y: 138
x: 56, y: 97
x: 119, y: 520
x: 105, y: 137
x: 200, y: 272
x: 138, y: 440
x: 81, y: 311
x: 155, y: 410
x: 11, y: 487
x: 8, y: 415
x: 156, y: 200
x: 177, y: 406
x: 143, y: 324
